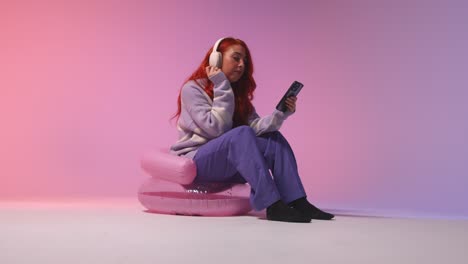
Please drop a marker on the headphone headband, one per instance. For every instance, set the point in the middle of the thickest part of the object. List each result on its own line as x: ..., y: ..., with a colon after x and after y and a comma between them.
x: 216, y: 57
x: 215, y: 47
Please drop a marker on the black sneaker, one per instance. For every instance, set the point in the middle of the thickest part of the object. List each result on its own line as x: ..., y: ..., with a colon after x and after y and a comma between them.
x: 279, y: 211
x: 308, y: 209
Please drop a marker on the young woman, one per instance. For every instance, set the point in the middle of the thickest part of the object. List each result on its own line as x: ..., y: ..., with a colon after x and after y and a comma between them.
x: 220, y: 130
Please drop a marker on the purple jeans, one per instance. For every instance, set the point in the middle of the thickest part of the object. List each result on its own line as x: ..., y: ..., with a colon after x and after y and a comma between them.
x: 239, y: 156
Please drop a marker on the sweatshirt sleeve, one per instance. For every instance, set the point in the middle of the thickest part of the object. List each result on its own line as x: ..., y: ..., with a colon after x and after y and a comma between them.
x: 267, y: 123
x: 211, y: 117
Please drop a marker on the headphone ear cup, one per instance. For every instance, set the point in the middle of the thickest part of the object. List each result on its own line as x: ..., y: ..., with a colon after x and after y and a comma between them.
x: 216, y: 59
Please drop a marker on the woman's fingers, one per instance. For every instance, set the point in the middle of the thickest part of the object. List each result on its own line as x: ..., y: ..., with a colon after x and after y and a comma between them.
x: 210, y: 70
x: 291, y: 103
x: 291, y: 99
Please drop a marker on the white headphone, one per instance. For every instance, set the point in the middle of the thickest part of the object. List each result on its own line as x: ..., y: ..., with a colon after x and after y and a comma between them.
x: 216, y: 57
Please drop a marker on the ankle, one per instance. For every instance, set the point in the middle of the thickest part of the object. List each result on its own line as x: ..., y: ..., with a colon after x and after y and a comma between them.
x: 299, y: 202
x: 275, y: 204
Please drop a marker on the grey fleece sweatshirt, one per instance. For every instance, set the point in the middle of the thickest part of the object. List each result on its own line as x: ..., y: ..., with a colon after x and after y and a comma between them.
x: 203, y: 119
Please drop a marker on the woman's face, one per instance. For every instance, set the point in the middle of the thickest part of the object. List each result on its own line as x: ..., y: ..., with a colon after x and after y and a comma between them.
x: 234, y: 60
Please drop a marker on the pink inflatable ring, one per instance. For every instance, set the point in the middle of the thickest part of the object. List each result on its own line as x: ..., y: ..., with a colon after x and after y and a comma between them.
x: 171, y: 189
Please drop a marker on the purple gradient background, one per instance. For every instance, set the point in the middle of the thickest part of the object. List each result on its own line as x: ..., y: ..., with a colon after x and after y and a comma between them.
x: 87, y: 86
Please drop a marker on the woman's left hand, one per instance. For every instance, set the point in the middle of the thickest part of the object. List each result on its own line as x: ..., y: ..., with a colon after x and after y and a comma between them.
x: 291, y: 103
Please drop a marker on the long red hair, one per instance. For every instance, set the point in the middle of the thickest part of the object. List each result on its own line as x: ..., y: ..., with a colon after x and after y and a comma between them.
x: 243, y: 89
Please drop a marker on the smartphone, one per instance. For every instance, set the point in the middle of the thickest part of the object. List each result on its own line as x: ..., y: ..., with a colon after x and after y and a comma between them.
x: 293, y: 90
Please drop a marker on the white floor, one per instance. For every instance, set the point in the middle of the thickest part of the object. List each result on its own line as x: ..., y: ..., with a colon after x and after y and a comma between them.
x: 119, y: 231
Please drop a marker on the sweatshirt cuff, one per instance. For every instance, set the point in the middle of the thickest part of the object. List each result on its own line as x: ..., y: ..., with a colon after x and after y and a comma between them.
x: 218, y: 78
x: 283, y: 115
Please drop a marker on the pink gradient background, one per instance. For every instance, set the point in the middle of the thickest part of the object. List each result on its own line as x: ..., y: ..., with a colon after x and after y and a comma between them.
x: 87, y: 86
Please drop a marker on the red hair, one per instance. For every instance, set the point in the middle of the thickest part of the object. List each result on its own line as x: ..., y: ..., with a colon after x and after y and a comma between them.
x: 243, y: 89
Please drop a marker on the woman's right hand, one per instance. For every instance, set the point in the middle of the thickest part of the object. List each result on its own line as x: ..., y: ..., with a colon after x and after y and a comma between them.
x: 211, y: 71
